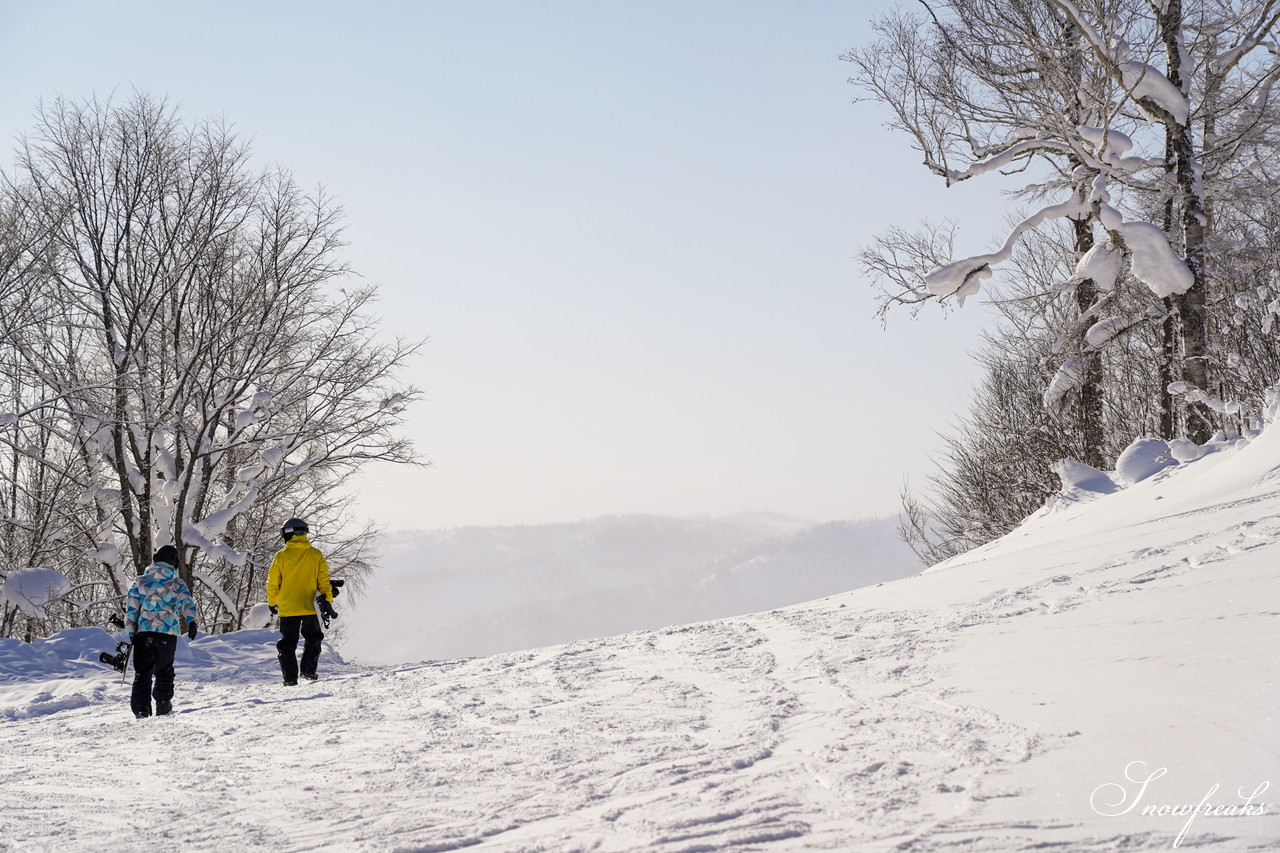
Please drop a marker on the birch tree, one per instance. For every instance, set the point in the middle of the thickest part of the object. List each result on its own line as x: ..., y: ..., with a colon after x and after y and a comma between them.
x: 206, y: 349
x: 1229, y: 46
x: 1079, y: 89
x: 998, y: 461
x: 1147, y: 132
x: 986, y: 87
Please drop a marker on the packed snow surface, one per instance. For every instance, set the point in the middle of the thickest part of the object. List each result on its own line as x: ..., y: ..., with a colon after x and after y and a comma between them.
x: 1069, y: 687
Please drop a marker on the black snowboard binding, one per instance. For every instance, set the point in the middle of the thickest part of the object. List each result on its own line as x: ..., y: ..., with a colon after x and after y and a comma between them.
x: 120, y: 660
x: 323, y: 607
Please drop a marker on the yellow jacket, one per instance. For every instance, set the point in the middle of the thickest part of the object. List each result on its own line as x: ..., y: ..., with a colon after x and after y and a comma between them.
x: 298, y: 571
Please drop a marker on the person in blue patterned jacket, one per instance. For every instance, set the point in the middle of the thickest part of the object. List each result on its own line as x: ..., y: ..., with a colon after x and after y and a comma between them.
x: 158, y: 603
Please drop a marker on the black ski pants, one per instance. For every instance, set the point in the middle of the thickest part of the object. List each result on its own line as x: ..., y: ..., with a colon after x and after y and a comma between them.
x: 290, y: 627
x: 152, y: 656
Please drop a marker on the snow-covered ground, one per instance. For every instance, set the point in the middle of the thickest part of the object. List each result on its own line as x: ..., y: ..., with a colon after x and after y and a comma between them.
x: 481, y: 590
x: 1015, y: 698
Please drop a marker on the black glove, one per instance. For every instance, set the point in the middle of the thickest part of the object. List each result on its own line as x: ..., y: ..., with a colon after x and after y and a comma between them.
x: 326, y: 610
x: 191, y: 630
x: 275, y: 611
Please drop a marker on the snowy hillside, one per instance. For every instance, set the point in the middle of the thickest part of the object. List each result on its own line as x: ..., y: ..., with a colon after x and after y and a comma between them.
x: 482, y: 590
x: 1016, y: 698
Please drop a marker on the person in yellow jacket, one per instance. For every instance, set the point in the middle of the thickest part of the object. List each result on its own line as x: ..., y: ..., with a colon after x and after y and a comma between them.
x: 298, y: 572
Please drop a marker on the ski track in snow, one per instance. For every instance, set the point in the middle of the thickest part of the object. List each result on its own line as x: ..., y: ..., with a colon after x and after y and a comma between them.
x: 849, y: 723
x: 724, y: 735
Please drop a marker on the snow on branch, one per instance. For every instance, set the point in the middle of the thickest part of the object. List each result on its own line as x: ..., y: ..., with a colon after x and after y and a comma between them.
x: 217, y: 590
x: 1148, y: 86
x: 201, y: 533
x: 1258, y: 34
x: 1152, y: 260
x: 899, y: 259
x: 1217, y: 404
x: 34, y: 590
x: 1017, y: 151
x: 1070, y: 377
x: 1105, y: 331
x: 963, y: 278
x: 1110, y: 147
x: 1102, y: 265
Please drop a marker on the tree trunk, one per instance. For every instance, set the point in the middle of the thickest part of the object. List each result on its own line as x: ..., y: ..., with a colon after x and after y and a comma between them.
x: 1168, y: 375
x: 1193, y: 324
x: 1089, y: 416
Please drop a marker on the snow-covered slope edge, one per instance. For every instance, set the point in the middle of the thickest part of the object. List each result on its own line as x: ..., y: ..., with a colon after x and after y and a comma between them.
x: 993, y: 704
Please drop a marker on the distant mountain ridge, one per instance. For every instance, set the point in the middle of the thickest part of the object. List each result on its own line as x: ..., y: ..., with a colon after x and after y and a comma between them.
x: 481, y: 590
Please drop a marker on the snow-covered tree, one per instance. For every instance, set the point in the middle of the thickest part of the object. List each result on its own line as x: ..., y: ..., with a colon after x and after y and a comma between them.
x: 998, y: 460
x: 192, y: 342
x: 983, y: 87
x: 1146, y: 132
x: 1099, y: 102
x: 1219, y: 66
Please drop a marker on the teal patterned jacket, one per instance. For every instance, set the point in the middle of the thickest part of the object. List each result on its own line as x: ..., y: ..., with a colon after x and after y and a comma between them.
x: 158, y: 601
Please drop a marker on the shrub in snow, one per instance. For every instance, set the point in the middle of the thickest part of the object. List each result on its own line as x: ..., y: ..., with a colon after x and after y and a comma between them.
x: 33, y: 590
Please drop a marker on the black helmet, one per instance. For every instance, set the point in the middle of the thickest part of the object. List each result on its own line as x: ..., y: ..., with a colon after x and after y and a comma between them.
x: 293, y: 526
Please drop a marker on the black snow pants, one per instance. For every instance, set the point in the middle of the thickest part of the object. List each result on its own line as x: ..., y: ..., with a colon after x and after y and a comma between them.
x: 152, y: 655
x: 290, y: 627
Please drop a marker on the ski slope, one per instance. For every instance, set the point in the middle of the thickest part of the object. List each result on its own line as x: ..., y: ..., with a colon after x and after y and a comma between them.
x: 1005, y: 700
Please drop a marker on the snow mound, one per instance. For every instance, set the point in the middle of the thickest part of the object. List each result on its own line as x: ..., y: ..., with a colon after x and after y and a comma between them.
x: 1184, y: 451
x: 259, y: 616
x: 1142, y: 459
x: 62, y: 653
x: 1079, y: 477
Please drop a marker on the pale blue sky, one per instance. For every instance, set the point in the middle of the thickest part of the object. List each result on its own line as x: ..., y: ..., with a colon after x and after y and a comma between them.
x: 629, y: 230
